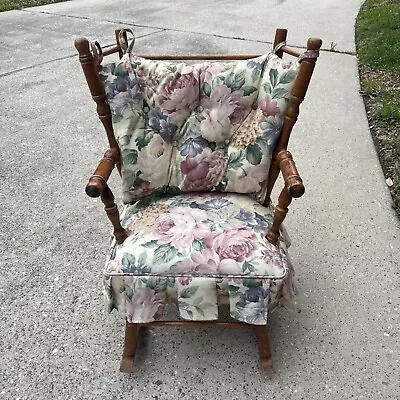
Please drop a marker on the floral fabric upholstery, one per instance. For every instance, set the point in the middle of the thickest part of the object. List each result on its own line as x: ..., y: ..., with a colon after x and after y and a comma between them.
x: 194, y: 249
x: 202, y: 127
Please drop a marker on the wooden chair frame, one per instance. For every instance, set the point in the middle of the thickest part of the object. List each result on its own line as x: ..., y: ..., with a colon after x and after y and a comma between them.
x: 282, y: 161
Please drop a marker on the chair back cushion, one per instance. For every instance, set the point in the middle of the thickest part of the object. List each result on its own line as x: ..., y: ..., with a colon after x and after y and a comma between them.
x: 202, y: 127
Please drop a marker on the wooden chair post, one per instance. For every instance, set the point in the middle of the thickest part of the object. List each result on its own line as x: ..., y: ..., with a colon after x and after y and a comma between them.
x: 111, y: 209
x: 130, y: 343
x: 280, y: 36
x: 96, y: 88
x: 298, y: 92
x: 264, y: 349
x: 293, y: 188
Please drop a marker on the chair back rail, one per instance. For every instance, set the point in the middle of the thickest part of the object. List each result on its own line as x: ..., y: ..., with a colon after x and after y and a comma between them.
x: 90, y: 69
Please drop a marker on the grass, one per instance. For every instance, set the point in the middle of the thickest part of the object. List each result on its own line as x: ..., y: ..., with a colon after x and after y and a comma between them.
x: 6, y: 5
x: 378, y: 34
x: 378, y: 50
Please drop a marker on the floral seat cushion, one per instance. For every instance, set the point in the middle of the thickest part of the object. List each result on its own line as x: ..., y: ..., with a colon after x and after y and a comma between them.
x: 202, y: 127
x: 193, y: 248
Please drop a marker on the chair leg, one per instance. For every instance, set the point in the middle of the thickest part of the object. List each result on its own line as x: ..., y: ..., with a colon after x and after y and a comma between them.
x: 264, y: 349
x: 131, y: 338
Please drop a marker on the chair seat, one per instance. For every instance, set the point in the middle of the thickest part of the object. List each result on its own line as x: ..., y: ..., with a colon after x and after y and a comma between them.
x: 195, y: 249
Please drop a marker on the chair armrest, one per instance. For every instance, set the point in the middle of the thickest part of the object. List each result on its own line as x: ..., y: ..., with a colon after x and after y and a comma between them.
x: 98, y: 180
x: 293, y: 182
x: 293, y: 188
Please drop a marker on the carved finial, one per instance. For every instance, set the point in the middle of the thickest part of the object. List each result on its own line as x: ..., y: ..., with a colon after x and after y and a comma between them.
x: 314, y: 44
x: 82, y: 45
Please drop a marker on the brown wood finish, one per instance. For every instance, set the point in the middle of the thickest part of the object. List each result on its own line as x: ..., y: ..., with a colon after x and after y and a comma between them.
x: 132, y: 332
x: 280, y: 37
x: 298, y: 92
x: 182, y: 57
x: 282, y: 161
x: 281, y: 210
x: 96, y: 88
x: 264, y: 349
x: 107, y: 197
x: 99, y: 179
x: 293, y: 182
x: 293, y: 188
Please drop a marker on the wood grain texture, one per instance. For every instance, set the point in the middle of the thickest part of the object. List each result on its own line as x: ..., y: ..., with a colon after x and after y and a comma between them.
x: 132, y: 332
x: 107, y: 197
x: 291, y: 177
x: 99, y: 178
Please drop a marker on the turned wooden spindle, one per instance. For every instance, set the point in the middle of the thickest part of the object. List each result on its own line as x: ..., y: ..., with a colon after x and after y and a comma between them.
x: 293, y: 188
x: 291, y: 177
x: 111, y: 209
x: 103, y: 171
x: 96, y: 88
x: 281, y: 210
x: 297, y: 96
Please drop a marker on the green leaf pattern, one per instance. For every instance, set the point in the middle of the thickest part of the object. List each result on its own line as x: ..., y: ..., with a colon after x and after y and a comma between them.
x: 163, y: 140
x: 151, y: 267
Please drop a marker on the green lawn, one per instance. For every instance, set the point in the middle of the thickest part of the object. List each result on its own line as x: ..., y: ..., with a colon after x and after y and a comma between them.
x: 6, y: 5
x: 378, y: 50
x: 378, y: 34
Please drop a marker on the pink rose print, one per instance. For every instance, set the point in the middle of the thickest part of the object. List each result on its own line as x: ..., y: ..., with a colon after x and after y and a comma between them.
x: 185, y: 280
x: 205, y: 261
x: 222, y: 109
x: 180, y: 91
x: 204, y: 171
x: 269, y: 106
x: 235, y: 244
x: 250, y: 182
x: 180, y: 226
x: 207, y: 71
x: 144, y: 305
x: 146, y: 80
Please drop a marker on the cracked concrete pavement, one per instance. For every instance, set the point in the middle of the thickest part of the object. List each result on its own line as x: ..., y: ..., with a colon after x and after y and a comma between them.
x: 56, y: 340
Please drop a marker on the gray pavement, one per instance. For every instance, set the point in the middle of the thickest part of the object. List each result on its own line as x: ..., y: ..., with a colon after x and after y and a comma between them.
x: 57, y: 342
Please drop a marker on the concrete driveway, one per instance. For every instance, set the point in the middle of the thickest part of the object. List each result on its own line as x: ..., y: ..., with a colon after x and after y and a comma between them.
x: 57, y: 342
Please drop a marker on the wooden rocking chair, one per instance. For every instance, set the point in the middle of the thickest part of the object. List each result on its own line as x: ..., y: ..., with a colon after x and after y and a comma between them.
x: 213, y: 129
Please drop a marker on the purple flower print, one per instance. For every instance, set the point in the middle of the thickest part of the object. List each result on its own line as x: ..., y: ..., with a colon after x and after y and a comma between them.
x: 252, y: 305
x: 256, y: 63
x: 206, y: 261
x: 253, y: 295
x: 159, y: 122
x: 144, y: 306
x: 193, y: 146
x: 214, y: 204
x: 180, y: 226
x: 253, y: 220
x: 221, y: 110
x: 135, y: 268
x: 271, y: 129
x: 122, y: 93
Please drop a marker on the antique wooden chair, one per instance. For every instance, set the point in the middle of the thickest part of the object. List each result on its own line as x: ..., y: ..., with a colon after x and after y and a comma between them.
x: 199, y: 148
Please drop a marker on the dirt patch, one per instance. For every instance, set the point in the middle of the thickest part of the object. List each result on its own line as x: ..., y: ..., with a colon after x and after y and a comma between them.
x: 386, y: 135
